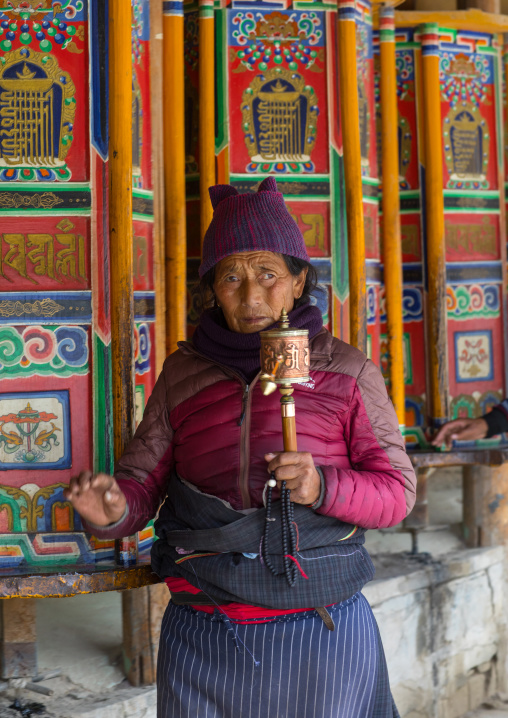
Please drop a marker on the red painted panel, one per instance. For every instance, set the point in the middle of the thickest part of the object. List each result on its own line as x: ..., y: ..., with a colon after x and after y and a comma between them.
x: 313, y: 219
x: 44, y: 253
x: 371, y: 224
x: 472, y: 237
x: 80, y: 401
x: 143, y: 255
x: 411, y: 238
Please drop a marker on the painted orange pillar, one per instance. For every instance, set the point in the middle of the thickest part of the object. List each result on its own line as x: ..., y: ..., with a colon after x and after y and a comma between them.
x: 392, y: 249
x: 174, y: 174
x: 435, y: 232
x: 206, y: 111
x: 156, y: 92
x: 120, y: 221
x: 349, y: 113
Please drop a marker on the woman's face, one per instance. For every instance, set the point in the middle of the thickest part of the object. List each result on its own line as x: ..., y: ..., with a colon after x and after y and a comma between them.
x: 252, y: 289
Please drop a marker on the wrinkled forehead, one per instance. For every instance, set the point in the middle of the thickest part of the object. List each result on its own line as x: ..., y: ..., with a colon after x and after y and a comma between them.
x: 249, y: 260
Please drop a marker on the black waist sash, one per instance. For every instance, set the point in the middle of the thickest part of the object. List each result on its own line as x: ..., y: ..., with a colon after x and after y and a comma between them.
x: 217, y: 549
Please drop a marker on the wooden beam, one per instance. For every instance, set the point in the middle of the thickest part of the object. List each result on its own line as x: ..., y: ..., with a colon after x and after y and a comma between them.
x: 486, y: 505
x: 437, y: 338
x: 349, y: 113
x: 156, y: 92
x: 142, y: 611
x: 18, y: 638
x: 391, y: 242
x: 474, y: 20
x: 120, y: 221
x: 173, y: 101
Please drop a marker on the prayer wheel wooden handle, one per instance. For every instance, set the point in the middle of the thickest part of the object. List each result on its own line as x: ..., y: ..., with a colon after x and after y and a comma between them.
x: 287, y: 408
x: 289, y: 433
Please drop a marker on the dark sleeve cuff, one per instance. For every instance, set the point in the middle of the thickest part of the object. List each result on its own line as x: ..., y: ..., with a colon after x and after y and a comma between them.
x: 109, y: 531
x: 497, y: 420
x: 317, y: 504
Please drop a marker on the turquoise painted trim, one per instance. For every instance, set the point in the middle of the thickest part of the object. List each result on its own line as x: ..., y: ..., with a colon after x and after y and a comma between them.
x: 498, y: 99
x: 143, y: 217
x: 45, y: 186
x: 222, y: 99
x: 340, y: 262
x: 285, y: 178
x: 484, y: 194
x: 136, y: 192
x: 48, y: 213
x: 103, y: 398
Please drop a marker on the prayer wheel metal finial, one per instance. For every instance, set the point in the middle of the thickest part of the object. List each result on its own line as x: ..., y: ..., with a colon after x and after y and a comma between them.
x: 285, y: 360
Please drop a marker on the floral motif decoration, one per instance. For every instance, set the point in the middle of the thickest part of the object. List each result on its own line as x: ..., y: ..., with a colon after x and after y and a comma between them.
x: 29, y: 21
x: 277, y: 38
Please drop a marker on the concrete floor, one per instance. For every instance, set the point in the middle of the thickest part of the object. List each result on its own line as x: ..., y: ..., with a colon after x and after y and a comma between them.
x: 83, y: 636
x: 495, y: 708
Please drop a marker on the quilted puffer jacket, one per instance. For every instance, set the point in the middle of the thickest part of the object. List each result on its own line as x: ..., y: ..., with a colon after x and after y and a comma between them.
x: 204, y: 421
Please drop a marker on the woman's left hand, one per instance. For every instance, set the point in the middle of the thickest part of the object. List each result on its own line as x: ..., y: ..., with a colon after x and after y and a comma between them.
x: 297, y: 469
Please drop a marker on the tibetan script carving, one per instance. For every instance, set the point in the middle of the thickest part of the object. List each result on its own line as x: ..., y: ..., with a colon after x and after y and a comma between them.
x: 410, y: 239
x: 140, y: 250
x: 471, y: 237
x: 55, y: 257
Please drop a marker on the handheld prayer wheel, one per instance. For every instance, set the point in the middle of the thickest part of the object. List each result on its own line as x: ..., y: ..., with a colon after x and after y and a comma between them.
x: 285, y: 360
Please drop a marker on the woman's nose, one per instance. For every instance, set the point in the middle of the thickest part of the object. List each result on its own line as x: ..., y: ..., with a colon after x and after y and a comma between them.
x: 251, y: 293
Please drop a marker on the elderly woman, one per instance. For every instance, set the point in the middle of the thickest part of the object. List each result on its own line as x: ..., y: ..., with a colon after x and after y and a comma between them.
x: 237, y: 640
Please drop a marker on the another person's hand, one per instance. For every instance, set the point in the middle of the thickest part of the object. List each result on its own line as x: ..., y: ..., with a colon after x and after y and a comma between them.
x: 297, y: 469
x: 461, y: 430
x: 97, y: 499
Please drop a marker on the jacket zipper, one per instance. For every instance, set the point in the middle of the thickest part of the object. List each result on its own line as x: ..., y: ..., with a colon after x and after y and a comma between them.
x: 244, y: 422
x: 245, y: 398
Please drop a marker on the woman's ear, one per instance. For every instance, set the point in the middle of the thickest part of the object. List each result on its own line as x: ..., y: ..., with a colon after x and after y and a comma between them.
x: 208, y: 298
x: 299, y: 283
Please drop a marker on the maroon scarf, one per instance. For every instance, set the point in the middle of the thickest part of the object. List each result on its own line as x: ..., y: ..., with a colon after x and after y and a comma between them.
x: 241, y: 351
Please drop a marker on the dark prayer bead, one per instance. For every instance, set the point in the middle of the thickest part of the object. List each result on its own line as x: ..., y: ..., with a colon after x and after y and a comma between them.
x: 288, y: 535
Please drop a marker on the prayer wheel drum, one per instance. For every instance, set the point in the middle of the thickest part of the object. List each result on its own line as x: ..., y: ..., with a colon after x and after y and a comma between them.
x: 285, y: 360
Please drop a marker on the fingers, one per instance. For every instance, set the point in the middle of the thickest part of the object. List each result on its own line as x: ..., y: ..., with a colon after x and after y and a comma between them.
x: 288, y: 458
x: 447, y: 432
x: 475, y: 429
x: 97, y: 499
x: 79, y: 485
x: 297, y: 469
x: 461, y: 430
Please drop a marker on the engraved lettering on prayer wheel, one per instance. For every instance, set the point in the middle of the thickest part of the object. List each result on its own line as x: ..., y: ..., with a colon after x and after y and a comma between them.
x: 285, y: 356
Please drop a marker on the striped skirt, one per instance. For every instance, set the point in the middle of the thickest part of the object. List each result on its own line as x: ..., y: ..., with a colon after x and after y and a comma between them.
x: 291, y: 667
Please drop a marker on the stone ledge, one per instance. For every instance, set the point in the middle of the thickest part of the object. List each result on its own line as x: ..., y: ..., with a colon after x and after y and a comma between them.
x: 413, y: 576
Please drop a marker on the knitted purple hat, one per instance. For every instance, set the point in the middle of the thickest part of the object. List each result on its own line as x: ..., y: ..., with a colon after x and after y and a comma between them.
x: 250, y: 223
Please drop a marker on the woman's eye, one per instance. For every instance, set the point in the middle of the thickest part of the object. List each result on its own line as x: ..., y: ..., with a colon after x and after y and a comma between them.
x: 268, y: 275
x: 232, y: 278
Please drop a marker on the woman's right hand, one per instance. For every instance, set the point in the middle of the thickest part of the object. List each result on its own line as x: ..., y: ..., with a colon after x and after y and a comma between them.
x: 98, y: 499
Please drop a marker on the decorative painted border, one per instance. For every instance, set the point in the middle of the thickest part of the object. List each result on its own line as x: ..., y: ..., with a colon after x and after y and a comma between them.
x: 45, y: 307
